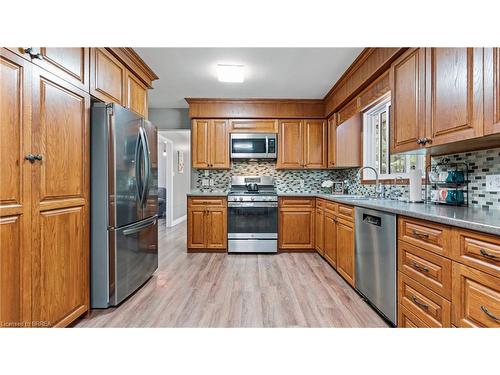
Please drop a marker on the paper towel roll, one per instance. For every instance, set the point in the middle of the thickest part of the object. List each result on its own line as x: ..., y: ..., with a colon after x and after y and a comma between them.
x: 415, y: 176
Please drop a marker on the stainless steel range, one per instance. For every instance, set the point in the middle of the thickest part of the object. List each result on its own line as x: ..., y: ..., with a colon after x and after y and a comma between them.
x: 252, y: 215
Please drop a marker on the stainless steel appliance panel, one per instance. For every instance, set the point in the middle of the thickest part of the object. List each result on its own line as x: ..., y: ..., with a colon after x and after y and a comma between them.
x: 375, y: 259
x: 253, y: 146
x: 150, y: 205
x: 135, y: 258
x: 252, y: 246
x: 127, y: 166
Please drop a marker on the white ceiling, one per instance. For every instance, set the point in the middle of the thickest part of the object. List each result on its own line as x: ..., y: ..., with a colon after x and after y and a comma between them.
x: 292, y: 73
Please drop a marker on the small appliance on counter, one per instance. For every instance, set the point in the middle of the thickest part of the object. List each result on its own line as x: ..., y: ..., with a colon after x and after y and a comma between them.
x: 252, y: 215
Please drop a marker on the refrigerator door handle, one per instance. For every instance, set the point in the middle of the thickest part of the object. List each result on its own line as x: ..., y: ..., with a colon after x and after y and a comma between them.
x: 138, y: 228
x: 147, y: 166
x: 138, y: 181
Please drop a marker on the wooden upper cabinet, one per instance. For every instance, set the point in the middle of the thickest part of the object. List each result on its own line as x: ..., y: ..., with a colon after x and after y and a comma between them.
x: 15, y: 190
x: 407, y: 77
x: 210, y: 144
x: 253, y: 126
x: 491, y: 91
x: 107, y: 77
x: 454, y: 90
x: 290, y: 144
x: 348, y: 143
x: 219, y: 145
x: 315, y: 144
x: 71, y: 64
x: 60, y: 196
x: 332, y: 140
x: 137, y: 95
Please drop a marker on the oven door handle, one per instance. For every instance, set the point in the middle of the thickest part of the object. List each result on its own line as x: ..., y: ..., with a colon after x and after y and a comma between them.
x: 253, y: 204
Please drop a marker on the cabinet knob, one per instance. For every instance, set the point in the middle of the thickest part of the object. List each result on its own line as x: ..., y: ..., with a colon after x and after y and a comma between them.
x: 34, y: 55
x: 426, y: 140
x: 419, y: 141
x: 32, y: 158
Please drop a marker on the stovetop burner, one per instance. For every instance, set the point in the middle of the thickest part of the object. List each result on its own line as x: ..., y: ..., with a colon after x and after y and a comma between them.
x: 265, y: 188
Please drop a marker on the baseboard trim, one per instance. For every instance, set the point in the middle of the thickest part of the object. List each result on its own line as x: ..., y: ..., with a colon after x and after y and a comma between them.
x: 179, y: 220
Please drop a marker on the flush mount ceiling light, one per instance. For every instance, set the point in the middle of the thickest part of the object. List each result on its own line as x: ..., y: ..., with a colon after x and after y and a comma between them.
x: 230, y: 73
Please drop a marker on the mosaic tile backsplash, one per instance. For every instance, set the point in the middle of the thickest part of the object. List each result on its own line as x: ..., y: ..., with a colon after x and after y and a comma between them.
x: 481, y: 163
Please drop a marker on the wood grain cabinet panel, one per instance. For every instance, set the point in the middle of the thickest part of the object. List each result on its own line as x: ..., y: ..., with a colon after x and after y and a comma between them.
x: 428, y: 306
x: 429, y: 269
x: 407, y: 77
x: 107, y: 77
x: 330, y: 238
x: 137, y: 95
x: 290, y: 144
x: 219, y: 145
x: 491, y: 91
x: 319, y: 238
x: 70, y: 64
x: 196, y: 228
x: 345, y: 250
x: 296, y: 228
x: 210, y: 144
x: 15, y: 190
x: 454, y: 94
x: 332, y: 141
x: 408, y: 320
x: 348, y: 142
x: 430, y: 236
x: 476, y: 298
x: 216, y: 228
x: 315, y: 144
x: 207, y: 224
x: 200, y: 156
x: 253, y: 126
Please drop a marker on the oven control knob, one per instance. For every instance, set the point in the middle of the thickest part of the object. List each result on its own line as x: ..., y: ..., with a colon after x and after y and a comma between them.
x: 252, y: 199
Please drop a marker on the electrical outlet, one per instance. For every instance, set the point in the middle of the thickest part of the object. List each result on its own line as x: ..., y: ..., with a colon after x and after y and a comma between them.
x: 302, y: 184
x: 211, y: 182
x: 493, y: 182
x: 205, y: 182
x: 206, y: 172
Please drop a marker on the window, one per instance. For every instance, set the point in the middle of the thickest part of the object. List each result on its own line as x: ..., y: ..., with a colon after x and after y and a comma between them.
x: 376, y: 147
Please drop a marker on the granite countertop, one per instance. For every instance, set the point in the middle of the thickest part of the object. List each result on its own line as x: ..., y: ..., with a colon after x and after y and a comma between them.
x: 479, y: 219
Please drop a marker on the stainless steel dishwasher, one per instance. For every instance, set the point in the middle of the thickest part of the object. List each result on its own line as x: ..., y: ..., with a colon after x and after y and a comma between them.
x: 376, y: 259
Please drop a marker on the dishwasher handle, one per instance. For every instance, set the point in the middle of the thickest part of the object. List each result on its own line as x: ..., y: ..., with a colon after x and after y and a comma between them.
x: 372, y: 220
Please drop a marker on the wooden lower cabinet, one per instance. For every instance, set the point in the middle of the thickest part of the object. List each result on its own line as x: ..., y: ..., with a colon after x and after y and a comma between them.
x: 319, y: 237
x: 296, y: 224
x: 476, y: 298
x: 408, y: 320
x: 207, y: 224
x: 345, y: 250
x: 330, y: 238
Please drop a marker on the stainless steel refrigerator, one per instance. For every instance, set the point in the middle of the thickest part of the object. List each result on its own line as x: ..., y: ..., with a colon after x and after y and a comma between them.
x: 124, y: 203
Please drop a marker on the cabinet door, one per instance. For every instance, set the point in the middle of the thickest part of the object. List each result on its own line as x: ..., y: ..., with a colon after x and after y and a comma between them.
x: 60, y: 135
x: 330, y: 239
x: 319, y: 233
x: 137, y: 95
x: 71, y: 64
x: 290, y: 144
x: 315, y: 144
x: 476, y: 298
x: 491, y: 91
x: 349, y: 135
x: 296, y: 228
x: 107, y: 77
x: 219, y: 145
x: 407, y: 78
x: 345, y: 251
x: 15, y: 190
x: 332, y: 141
x: 454, y: 94
x: 199, y: 143
x: 196, y: 228
x: 216, y: 228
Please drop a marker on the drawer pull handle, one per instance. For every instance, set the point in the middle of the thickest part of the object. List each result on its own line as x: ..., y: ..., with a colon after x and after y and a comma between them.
x: 419, y: 234
x: 419, y: 267
x: 485, y: 310
x: 488, y: 255
x: 418, y: 303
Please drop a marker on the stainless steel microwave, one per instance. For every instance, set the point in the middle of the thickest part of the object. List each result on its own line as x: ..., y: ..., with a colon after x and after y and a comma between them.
x: 253, y: 146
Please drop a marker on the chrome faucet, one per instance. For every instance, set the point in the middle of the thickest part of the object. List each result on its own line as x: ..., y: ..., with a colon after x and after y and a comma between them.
x: 379, y: 191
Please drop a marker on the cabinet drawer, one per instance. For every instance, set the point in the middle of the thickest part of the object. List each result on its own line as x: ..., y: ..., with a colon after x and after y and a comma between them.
x: 207, y: 201
x: 430, y: 236
x: 430, y: 270
x: 478, y: 250
x: 408, y: 320
x: 330, y: 206
x: 431, y: 308
x: 345, y: 212
x: 476, y: 298
x: 320, y: 203
x: 296, y: 202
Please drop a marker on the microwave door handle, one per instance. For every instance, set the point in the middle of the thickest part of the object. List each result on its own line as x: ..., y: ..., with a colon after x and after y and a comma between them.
x: 267, y: 146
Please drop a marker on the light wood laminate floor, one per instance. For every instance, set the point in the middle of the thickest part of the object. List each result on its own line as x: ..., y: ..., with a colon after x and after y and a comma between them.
x: 221, y: 290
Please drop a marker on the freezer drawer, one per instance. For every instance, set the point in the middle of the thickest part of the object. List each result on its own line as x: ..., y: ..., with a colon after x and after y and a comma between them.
x: 134, y: 249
